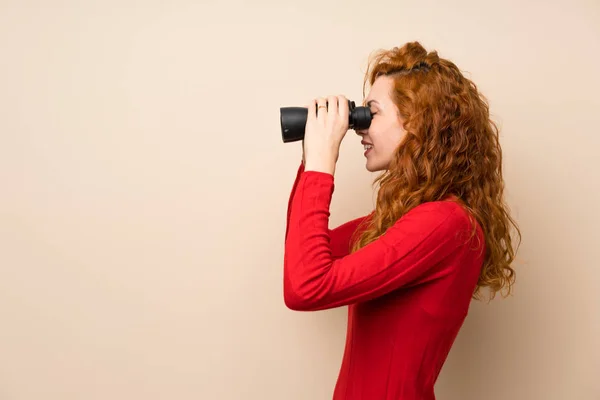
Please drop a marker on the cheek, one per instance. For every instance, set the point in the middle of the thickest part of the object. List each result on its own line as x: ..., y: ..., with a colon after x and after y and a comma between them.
x: 387, y: 141
x: 386, y: 136
x: 394, y: 138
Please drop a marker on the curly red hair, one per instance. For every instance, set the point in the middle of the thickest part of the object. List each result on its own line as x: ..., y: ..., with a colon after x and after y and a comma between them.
x: 451, y: 147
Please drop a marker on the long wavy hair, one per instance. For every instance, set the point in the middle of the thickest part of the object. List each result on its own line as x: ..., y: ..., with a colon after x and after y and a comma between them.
x: 451, y: 147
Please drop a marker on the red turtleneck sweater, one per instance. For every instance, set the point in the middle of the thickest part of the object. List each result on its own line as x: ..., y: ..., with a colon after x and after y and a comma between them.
x: 407, y: 293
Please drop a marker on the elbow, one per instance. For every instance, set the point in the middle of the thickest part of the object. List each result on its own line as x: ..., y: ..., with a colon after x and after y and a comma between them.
x: 300, y: 300
x: 305, y: 292
x: 296, y: 302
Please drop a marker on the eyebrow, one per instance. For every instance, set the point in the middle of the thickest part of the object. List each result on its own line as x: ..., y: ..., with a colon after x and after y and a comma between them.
x: 372, y: 101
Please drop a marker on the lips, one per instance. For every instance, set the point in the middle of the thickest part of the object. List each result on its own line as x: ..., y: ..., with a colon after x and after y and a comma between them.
x: 368, y: 146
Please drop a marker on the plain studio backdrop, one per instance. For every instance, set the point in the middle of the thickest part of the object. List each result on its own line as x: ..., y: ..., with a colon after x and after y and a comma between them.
x: 145, y: 185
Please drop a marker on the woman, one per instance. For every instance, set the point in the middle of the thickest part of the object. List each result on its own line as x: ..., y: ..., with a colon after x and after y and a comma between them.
x: 440, y: 231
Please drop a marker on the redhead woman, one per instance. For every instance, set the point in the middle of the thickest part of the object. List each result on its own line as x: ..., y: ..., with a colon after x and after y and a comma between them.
x: 439, y: 234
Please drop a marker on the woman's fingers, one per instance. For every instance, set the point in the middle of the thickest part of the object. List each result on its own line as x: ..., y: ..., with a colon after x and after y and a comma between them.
x: 332, y: 107
x: 321, y: 108
x: 343, y: 109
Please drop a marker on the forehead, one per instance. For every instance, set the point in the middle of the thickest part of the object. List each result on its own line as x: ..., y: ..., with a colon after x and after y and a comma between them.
x: 380, y: 90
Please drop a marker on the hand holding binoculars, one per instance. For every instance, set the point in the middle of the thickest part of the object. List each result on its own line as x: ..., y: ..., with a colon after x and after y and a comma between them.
x: 293, y: 120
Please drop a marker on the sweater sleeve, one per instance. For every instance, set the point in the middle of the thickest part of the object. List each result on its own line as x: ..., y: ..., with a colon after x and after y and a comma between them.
x: 339, y: 236
x: 409, y: 253
x: 292, y: 193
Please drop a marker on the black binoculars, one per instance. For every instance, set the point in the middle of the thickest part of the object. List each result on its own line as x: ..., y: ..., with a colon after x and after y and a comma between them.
x: 293, y: 120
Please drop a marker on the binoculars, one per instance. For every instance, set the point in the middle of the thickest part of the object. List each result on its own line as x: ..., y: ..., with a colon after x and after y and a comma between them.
x: 293, y: 120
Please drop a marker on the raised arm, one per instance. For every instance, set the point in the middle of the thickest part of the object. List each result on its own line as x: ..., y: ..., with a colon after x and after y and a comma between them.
x: 339, y: 236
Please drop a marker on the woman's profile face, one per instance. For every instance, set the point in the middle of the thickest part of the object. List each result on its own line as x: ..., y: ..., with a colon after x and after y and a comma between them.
x: 386, y: 131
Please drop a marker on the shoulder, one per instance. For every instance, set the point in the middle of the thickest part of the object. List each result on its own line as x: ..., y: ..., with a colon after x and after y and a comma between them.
x: 352, y: 224
x: 435, y: 220
x: 448, y: 212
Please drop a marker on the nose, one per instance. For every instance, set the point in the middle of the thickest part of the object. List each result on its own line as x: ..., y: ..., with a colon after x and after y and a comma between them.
x: 361, y: 132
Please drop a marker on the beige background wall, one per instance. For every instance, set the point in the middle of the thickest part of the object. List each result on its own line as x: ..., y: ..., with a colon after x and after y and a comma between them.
x: 144, y: 190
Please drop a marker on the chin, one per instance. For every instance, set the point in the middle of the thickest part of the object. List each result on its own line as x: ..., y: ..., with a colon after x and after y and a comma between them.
x: 375, y: 167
